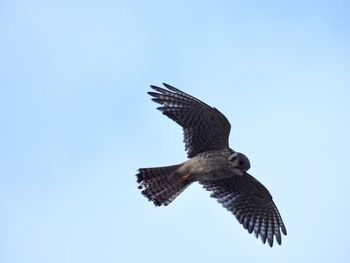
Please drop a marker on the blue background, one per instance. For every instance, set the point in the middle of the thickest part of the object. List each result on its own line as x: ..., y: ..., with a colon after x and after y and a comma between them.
x: 76, y: 124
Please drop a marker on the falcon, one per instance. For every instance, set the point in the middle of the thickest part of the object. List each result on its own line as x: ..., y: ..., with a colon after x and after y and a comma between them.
x: 211, y: 163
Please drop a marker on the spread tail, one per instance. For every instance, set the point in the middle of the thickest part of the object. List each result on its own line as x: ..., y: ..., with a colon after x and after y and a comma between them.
x: 162, y: 185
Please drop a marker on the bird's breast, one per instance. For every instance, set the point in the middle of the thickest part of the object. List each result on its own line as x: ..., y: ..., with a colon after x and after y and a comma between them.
x: 206, y: 166
x: 194, y: 166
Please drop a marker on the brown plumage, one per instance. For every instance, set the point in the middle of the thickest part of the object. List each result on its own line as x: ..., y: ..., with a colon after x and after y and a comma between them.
x: 213, y: 164
x: 161, y: 185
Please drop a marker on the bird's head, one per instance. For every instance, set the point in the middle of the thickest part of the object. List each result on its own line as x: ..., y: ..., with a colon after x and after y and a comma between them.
x: 239, y: 161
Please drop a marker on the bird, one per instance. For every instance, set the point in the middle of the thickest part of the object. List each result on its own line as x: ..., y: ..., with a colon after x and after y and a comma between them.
x: 212, y: 164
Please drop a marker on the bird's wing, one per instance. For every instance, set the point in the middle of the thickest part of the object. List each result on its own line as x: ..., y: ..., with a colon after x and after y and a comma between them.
x: 251, y: 203
x: 205, y: 128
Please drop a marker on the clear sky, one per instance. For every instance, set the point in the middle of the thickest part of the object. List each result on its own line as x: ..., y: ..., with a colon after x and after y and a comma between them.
x: 76, y: 124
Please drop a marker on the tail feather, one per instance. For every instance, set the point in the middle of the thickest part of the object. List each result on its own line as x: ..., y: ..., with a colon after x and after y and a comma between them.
x: 161, y: 185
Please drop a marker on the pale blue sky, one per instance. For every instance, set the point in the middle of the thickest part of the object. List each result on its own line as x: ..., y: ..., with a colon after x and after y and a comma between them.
x: 76, y: 124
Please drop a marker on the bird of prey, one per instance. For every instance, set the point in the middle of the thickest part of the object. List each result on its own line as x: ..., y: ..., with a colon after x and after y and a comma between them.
x: 212, y: 164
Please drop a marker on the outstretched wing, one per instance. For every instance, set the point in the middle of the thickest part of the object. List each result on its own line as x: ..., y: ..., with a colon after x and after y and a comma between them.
x: 205, y: 128
x: 251, y: 203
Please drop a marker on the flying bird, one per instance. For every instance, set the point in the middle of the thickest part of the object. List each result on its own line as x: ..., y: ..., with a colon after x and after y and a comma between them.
x: 213, y: 164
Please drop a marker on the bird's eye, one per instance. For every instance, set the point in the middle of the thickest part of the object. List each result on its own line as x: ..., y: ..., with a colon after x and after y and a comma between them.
x: 233, y: 158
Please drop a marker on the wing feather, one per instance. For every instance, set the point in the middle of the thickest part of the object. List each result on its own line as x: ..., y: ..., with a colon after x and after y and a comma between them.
x: 251, y: 203
x: 204, y: 127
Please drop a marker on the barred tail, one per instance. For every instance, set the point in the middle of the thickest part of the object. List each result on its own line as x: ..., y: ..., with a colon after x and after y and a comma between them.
x: 162, y: 185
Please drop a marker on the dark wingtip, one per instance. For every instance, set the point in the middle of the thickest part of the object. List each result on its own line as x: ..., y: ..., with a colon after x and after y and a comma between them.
x: 157, y: 100
x: 278, y: 237
x: 154, y: 86
x: 153, y: 94
x: 284, y: 230
x: 263, y: 239
x: 270, y: 241
x: 250, y: 228
x: 167, y: 85
x: 172, y: 88
x: 156, y: 202
x: 159, y: 89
